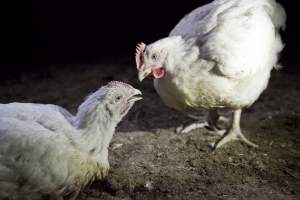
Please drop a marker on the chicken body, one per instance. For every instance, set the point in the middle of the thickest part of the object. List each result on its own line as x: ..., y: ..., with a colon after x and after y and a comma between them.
x: 218, y: 56
x: 36, y: 161
x: 45, y: 151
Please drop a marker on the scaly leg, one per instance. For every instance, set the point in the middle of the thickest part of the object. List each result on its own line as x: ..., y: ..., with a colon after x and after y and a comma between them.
x: 211, y: 122
x: 201, y: 123
x: 234, y: 133
x: 213, y: 118
x: 191, y: 127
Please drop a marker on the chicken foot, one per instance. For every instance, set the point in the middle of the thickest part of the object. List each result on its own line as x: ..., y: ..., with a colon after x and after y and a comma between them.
x: 213, y: 119
x: 211, y: 123
x: 191, y: 127
x: 234, y: 133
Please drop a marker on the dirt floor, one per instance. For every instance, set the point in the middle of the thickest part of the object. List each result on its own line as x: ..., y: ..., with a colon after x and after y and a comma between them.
x: 149, y: 160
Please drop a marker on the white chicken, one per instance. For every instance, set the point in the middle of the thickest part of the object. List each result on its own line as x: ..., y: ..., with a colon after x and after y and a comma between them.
x: 218, y: 56
x: 45, y: 151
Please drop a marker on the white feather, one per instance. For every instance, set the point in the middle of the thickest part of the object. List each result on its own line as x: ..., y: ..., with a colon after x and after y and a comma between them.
x: 221, y: 54
x: 46, y: 150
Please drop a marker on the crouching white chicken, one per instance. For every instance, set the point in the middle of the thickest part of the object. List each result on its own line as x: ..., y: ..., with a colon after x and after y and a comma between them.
x: 218, y: 56
x: 45, y: 151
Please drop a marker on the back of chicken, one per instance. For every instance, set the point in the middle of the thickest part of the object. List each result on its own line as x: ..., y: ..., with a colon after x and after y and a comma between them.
x: 241, y: 36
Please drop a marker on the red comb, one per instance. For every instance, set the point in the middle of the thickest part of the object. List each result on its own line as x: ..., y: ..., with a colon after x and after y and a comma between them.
x: 140, y: 48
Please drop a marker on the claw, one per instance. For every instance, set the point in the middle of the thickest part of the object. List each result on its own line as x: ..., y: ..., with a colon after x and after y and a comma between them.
x: 191, y: 127
x: 218, y: 132
x: 234, y: 133
x: 232, y: 136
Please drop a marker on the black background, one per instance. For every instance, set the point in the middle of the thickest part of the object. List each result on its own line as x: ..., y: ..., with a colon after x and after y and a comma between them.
x: 73, y: 31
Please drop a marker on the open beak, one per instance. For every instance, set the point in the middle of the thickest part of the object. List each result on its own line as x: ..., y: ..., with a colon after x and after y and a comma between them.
x: 137, y: 95
x: 143, y: 73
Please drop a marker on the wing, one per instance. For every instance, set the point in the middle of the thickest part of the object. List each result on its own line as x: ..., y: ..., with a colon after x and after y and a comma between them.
x: 29, y: 158
x: 200, y: 21
x: 241, y: 37
x: 63, y: 112
x: 52, y: 116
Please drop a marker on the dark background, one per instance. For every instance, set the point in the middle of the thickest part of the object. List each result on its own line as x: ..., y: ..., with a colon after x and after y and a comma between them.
x: 74, y: 32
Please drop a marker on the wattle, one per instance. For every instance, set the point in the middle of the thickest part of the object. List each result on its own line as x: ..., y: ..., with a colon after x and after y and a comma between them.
x: 158, y: 72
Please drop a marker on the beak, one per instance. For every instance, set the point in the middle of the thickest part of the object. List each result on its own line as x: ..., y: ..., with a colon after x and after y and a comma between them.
x: 143, y: 73
x: 136, y: 96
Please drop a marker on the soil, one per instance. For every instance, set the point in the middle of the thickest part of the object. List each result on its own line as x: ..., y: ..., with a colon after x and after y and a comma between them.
x: 149, y: 160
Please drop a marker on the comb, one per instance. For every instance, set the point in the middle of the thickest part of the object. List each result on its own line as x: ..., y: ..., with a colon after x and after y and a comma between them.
x: 140, y: 48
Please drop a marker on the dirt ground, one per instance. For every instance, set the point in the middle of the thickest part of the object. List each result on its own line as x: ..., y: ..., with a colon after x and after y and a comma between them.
x: 149, y: 160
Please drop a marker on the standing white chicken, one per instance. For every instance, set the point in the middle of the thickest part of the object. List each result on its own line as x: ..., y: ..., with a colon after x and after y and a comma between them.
x: 218, y: 56
x: 45, y: 151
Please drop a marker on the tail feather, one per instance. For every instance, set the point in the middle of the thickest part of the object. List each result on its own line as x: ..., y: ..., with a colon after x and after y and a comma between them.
x: 278, y: 66
x: 278, y: 16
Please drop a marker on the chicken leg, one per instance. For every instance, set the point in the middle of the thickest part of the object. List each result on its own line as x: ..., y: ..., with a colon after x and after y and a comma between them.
x: 211, y: 123
x: 213, y: 119
x: 234, y: 133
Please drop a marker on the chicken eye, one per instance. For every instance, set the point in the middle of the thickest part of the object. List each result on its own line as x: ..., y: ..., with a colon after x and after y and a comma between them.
x: 154, y: 57
x: 118, y: 98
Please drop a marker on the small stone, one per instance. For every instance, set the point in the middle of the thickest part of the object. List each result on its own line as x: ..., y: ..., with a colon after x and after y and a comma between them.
x: 149, y: 185
x: 116, y: 146
x: 159, y: 154
x: 211, y: 144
